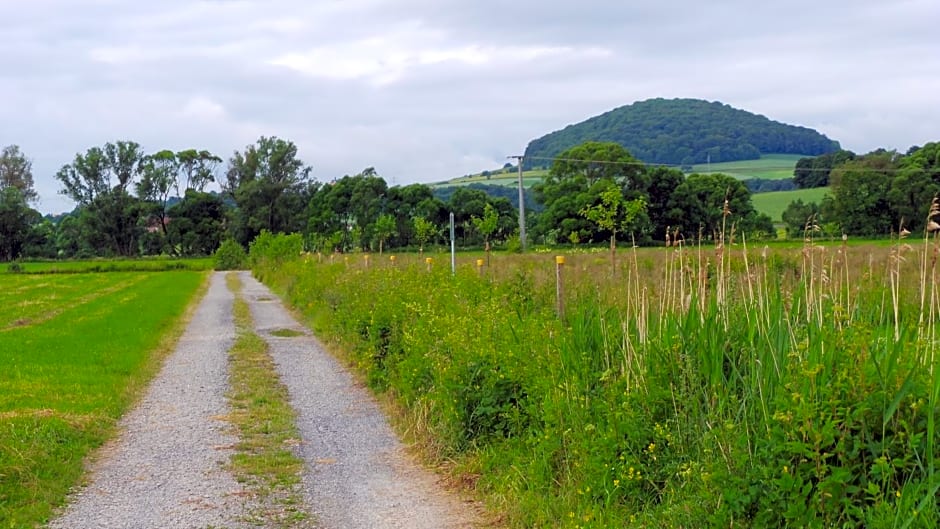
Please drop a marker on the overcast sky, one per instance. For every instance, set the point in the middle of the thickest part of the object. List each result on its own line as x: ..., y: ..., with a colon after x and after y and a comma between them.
x: 429, y: 90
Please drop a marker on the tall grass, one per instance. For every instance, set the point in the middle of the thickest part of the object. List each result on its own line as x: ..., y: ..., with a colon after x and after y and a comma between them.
x: 698, y: 387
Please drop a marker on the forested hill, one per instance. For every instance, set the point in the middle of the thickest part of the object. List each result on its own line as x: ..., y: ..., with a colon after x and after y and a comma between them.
x: 683, y: 132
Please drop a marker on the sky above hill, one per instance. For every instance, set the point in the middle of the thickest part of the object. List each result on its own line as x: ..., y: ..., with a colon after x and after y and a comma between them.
x: 428, y: 90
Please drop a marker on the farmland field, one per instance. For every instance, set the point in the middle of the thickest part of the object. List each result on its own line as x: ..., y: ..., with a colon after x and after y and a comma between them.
x: 693, y: 387
x: 768, y: 167
x: 112, y: 265
x: 774, y: 203
x: 75, y: 349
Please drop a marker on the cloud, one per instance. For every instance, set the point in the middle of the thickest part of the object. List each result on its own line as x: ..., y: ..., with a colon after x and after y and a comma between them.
x: 424, y: 90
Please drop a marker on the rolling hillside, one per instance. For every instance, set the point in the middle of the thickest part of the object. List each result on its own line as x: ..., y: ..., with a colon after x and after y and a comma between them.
x: 683, y: 132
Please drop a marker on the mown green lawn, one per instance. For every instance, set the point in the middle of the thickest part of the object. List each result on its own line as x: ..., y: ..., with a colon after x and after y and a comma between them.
x: 76, y: 350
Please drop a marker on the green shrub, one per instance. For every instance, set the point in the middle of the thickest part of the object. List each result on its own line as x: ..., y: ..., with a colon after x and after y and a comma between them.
x: 268, y: 249
x: 230, y: 256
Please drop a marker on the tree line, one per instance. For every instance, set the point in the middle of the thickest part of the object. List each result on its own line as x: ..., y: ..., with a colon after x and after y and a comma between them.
x: 875, y: 194
x: 133, y: 203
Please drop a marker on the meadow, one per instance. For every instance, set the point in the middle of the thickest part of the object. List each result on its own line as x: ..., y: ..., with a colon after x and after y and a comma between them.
x: 76, y: 349
x: 768, y: 167
x: 155, y: 264
x: 718, y: 386
x: 775, y: 203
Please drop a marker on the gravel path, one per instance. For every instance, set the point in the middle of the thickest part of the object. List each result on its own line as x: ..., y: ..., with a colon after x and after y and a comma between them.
x: 165, y: 468
x: 358, y: 475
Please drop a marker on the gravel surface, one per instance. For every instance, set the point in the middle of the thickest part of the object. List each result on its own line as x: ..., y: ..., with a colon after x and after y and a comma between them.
x: 358, y: 475
x: 165, y: 468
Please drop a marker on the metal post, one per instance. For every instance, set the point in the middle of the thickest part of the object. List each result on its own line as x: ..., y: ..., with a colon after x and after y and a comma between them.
x: 522, y: 237
x: 453, y: 247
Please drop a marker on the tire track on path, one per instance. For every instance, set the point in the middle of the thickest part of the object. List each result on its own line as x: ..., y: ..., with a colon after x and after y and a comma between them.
x: 358, y: 475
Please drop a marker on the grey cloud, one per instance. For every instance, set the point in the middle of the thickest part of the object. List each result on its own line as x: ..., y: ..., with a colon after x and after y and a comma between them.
x: 425, y: 90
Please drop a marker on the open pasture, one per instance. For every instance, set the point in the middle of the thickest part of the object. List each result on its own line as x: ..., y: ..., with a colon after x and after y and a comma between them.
x: 76, y: 349
x: 768, y: 167
x: 773, y: 204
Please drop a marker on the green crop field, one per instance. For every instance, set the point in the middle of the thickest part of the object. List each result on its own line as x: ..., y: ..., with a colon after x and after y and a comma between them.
x: 110, y: 265
x: 769, y: 167
x: 75, y: 351
x: 675, y: 387
x: 529, y: 178
x: 774, y: 203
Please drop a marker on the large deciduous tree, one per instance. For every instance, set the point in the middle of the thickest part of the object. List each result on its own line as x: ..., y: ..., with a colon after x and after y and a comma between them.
x: 271, y: 187
x: 711, y: 204
x: 99, y: 181
x: 860, y: 194
x: 574, y: 183
x: 16, y: 170
x: 914, y: 185
x: 16, y: 222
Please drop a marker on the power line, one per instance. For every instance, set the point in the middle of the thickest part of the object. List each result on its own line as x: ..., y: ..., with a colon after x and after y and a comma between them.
x: 679, y: 166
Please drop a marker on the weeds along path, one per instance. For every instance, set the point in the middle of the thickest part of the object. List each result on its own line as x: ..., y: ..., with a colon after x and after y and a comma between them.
x: 165, y: 469
x: 358, y: 475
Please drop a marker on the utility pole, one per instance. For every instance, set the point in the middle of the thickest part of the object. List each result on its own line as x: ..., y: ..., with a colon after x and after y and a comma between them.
x: 519, y: 159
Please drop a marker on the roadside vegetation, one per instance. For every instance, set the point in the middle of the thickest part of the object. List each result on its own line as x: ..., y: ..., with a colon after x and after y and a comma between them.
x: 692, y: 386
x: 76, y: 352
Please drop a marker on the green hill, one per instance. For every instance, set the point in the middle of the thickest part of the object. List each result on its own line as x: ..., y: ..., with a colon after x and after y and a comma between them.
x: 683, y: 132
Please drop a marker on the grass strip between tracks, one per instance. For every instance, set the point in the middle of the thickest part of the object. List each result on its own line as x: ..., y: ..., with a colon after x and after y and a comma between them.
x: 265, y: 460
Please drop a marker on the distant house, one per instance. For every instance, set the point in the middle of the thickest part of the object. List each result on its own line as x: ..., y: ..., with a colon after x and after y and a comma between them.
x: 153, y: 224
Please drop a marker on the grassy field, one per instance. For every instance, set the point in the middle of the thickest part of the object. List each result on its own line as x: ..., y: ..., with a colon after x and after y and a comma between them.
x: 774, y: 203
x: 76, y: 350
x: 108, y: 265
x: 529, y: 178
x: 712, y: 387
x: 769, y: 167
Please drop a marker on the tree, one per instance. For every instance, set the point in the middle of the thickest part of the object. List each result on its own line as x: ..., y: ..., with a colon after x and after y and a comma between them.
x: 196, y: 170
x: 17, y: 171
x: 914, y: 185
x: 384, y: 228
x: 425, y: 230
x: 86, y: 177
x: 575, y: 181
x: 16, y: 222
x: 797, y: 215
x: 157, y: 181
x: 596, y: 160
x: 815, y: 171
x: 197, y: 226
x: 109, y: 215
x: 698, y: 205
x: 486, y: 226
x: 663, y: 183
x: 860, y: 191
x: 270, y: 185
x: 614, y: 214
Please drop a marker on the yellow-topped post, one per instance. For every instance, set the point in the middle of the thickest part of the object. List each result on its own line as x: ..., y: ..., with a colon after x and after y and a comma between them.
x: 428, y: 261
